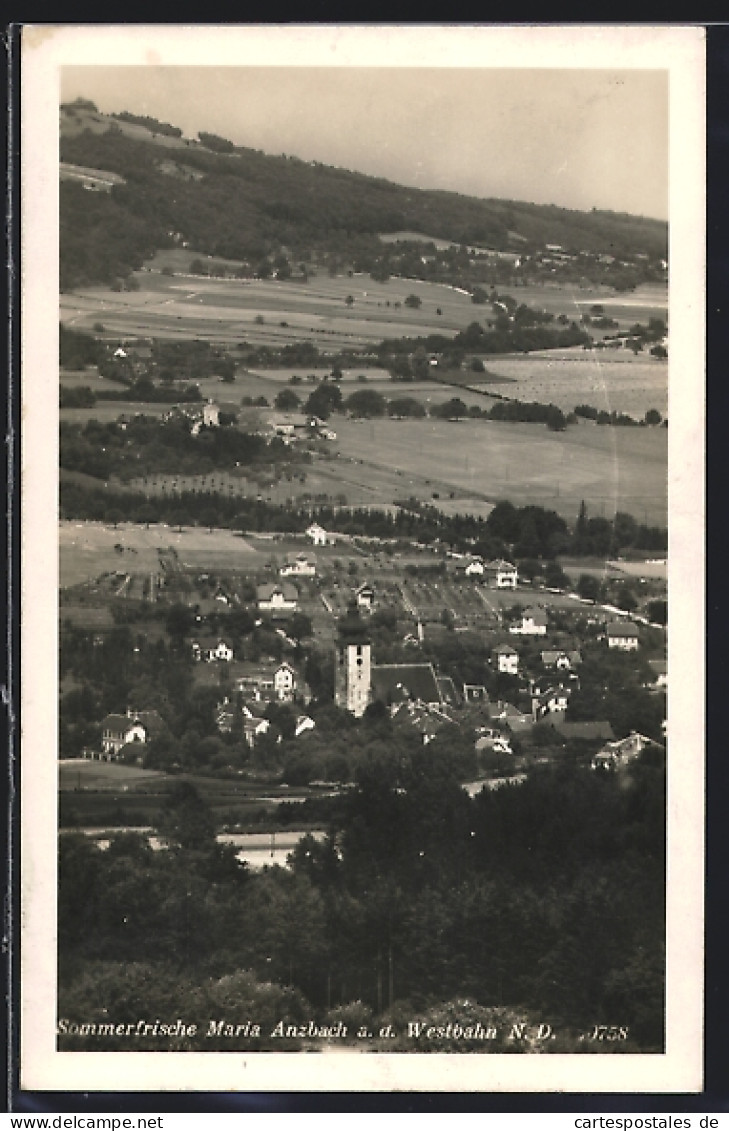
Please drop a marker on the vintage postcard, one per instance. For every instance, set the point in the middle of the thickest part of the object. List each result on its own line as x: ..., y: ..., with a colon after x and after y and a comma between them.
x: 362, y: 610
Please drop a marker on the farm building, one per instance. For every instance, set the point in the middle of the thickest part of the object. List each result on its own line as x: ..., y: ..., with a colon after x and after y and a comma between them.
x: 622, y: 635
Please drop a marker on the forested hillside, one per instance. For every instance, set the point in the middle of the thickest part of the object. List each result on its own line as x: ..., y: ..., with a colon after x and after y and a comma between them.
x: 230, y: 201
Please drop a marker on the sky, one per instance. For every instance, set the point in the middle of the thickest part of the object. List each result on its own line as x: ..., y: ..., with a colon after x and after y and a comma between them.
x: 577, y: 138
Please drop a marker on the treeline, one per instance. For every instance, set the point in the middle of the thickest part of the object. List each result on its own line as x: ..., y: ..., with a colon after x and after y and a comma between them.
x: 504, y: 337
x: 546, y: 899
x: 149, y: 123
x: 529, y: 532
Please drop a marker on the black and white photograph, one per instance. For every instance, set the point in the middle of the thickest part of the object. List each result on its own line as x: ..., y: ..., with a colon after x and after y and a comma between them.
x: 362, y: 658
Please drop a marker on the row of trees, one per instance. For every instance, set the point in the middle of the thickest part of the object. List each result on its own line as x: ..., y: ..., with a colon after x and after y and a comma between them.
x: 545, y: 898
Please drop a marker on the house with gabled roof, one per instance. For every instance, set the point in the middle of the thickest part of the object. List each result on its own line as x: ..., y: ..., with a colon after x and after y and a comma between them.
x: 506, y: 659
x: 561, y: 660
x: 502, y: 574
x: 299, y: 564
x: 614, y: 755
x: 622, y: 635
x: 119, y: 730
x: 277, y: 599
x: 533, y: 623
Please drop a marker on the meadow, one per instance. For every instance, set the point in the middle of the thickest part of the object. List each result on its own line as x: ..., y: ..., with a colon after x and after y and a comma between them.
x: 271, y: 312
x: 610, y: 468
x: 87, y: 549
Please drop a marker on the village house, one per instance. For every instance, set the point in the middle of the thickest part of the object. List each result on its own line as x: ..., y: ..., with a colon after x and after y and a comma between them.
x: 277, y: 599
x: 533, y: 623
x: 254, y: 726
x: 318, y: 535
x: 506, y: 659
x: 211, y: 649
x: 267, y: 683
x: 299, y: 564
x: 614, y: 755
x: 502, y: 574
x: 475, y: 693
x: 622, y: 635
x: 561, y: 661
x: 553, y: 700
x: 118, y: 731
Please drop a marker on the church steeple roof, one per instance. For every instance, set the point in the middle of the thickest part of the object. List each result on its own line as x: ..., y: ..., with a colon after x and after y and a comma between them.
x: 352, y: 629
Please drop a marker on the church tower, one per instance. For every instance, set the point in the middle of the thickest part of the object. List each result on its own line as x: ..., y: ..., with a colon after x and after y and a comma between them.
x: 353, y: 669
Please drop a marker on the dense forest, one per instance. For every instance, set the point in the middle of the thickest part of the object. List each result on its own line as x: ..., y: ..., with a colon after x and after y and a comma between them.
x: 542, y: 901
x: 243, y: 204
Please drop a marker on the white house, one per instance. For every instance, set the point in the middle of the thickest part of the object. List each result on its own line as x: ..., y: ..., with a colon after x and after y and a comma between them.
x: 284, y: 682
x: 474, y: 568
x: 299, y: 565
x: 502, y: 574
x: 507, y: 659
x: 118, y: 730
x: 533, y: 623
x: 622, y: 635
x: 211, y: 414
x: 273, y: 598
x: 318, y: 535
x: 211, y: 650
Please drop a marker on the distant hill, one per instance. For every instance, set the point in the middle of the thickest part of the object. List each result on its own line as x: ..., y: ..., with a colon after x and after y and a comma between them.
x: 224, y: 200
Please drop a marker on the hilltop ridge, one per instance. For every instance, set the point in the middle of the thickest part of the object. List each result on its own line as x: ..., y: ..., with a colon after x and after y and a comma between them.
x: 221, y: 199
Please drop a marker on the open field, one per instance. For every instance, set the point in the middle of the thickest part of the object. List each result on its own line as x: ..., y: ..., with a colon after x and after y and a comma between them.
x: 610, y: 468
x: 276, y: 313
x: 87, y: 549
x: 231, y: 310
x: 80, y: 773
x: 610, y: 380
